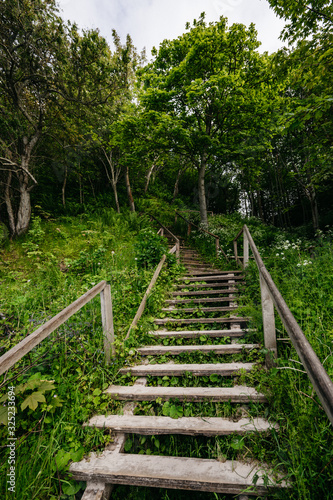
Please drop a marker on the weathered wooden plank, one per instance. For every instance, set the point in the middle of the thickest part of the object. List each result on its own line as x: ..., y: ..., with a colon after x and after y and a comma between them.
x: 230, y: 477
x: 237, y: 394
x: 201, y: 301
x: 220, y: 273
x: 17, y: 352
x: 188, y: 334
x: 201, y: 285
x: 196, y: 309
x: 177, y: 369
x: 149, y: 425
x: 213, y: 278
x: 146, y: 295
x: 107, y: 322
x: 203, y: 321
x: 179, y: 349
x: 205, y: 292
x: 97, y: 491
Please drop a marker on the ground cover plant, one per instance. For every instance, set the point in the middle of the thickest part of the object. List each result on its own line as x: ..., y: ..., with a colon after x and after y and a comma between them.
x: 59, y: 384
x: 70, y: 374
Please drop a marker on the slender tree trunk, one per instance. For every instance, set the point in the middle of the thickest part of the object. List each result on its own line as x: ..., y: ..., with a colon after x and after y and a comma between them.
x: 176, y: 188
x: 201, y: 191
x: 129, y: 191
x: 24, y: 210
x: 150, y: 171
x: 9, y: 205
x: 261, y: 213
x: 80, y: 188
x: 311, y: 194
x: 115, y: 192
x: 63, y: 190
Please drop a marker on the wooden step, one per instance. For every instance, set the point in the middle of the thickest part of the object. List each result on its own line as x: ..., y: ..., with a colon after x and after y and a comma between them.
x: 202, y: 285
x: 177, y: 370
x: 214, y: 279
x: 201, y: 301
x: 237, y: 394
x: 197, y: 309
x: 191, y: 426
x: 224, y: 273
x: 203, y: 321
x: 179, y: 349
x: 205, y: 292
x: 230, y: 477
x: 190, y: 334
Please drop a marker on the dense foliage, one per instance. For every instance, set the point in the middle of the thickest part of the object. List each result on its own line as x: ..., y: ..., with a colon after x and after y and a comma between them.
x: 208, y: 124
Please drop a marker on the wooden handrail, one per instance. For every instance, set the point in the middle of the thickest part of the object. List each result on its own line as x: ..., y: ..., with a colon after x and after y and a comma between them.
x: 17, y: 352
x: 322, y: 383
x: 171, y: 234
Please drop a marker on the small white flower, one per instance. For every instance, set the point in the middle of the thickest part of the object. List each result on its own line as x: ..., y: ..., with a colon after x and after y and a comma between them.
x: 55, y: 396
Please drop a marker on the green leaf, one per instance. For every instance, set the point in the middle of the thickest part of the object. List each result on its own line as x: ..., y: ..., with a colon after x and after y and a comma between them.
x: 70, y: 488
x: 33, y: 400
x: 61, y: 459
x: 3, y: 415
x: 128, y: 445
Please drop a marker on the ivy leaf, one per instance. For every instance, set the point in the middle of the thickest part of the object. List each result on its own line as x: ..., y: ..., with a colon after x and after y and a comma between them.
x: 32, y: 400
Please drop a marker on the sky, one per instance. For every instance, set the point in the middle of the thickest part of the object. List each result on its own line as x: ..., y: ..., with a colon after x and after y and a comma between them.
x: 149, y: 22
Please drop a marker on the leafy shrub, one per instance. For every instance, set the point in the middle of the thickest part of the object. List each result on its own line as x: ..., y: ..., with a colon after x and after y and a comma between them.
x: 149, y: 248
x: 3, y: 233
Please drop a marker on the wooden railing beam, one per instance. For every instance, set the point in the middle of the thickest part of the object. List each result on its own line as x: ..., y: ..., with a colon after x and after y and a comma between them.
x: 17, y: 352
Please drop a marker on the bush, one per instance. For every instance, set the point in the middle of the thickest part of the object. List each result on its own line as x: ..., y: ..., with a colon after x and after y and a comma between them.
x: 150, y: 248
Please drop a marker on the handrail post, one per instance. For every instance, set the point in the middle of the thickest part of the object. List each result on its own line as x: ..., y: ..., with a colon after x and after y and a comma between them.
x: 246, y: 250
x: 178, y: 251
x: 268, y: 322
x: 189, y: 227
x: 107, y: 321
x: 217, y: 246
x: 236, y: 251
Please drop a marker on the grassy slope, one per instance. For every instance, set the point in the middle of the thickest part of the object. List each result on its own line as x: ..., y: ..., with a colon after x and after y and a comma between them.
x: 75, y: 362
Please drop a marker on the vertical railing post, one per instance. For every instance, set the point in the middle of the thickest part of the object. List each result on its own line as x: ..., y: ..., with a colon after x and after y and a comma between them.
x: 162, y: 231
x: 189, y: 227
x: 236, y: 251
x: 107, y: 322
x: 246, y: 249
x: 268, y: 322
x: 217, y: 246
x: 178, y: 251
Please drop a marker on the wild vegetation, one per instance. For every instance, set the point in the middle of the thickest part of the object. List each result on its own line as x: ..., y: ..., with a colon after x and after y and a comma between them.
x: 91, y: 141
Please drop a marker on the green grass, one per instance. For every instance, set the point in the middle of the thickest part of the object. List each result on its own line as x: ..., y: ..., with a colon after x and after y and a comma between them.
x: 59, y: 260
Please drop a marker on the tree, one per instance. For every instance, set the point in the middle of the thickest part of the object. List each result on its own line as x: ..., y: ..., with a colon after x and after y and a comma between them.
x: 207, y: 82
x: 306, y: 17
x: 48, y: 73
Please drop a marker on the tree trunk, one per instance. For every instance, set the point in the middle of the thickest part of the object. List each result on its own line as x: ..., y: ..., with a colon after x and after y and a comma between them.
x: 114, y: 187
x: 201, y: 191
x: 311, y: 194
x: 150, y: 171
x: 9, y: 205
x: 129, y: 191
x: 24, y: 210
x: 63, y: 190
x: 176, y: 188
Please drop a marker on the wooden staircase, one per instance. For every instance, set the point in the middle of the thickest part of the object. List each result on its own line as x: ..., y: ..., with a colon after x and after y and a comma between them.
x: 213, y: 294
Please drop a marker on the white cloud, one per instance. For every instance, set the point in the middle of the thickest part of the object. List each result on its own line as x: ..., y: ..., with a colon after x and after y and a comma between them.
x: 149, y: 22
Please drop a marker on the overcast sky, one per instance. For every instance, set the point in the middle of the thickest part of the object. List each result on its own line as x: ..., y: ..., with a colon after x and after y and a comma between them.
x: 149, y: 22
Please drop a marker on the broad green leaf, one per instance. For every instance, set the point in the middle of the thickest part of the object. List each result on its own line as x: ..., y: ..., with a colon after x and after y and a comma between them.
x: 33, y: 400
